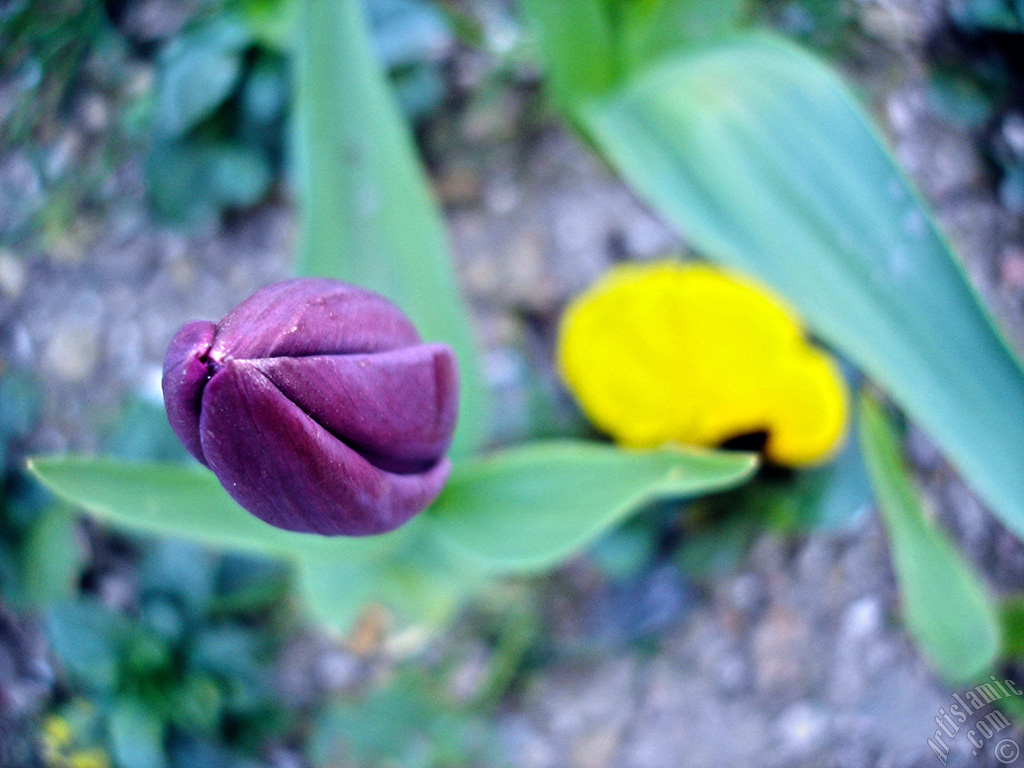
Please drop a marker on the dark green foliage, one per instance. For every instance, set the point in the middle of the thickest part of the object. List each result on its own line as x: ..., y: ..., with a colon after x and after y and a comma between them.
x: 412, y: 723
x: 40, y: 550
x: 42, y: 46
x: 193, y: 665
x: 223, y: 93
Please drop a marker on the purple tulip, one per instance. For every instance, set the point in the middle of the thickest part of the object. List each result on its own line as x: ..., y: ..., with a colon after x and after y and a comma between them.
x: 317, y: 406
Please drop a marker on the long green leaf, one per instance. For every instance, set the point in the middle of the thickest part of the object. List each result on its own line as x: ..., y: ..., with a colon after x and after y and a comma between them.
x: 554, y: 498
x: 653, y: 29
x: 183, y: 501
x: 1011, y: 621
x: 526, y: 508
x: 419, y: 582
x: 945, y: 605
x: 576, y: 37
x: 760, y: 156
x: 406, y: 570
x: 367, y: 214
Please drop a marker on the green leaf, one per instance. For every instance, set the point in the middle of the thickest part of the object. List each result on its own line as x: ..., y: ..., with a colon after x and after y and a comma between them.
x: 720, y: 543
x: 589, y: 46
x: 758, y: 154
x: 944, y: 604
x: 197, y: 72
x: 824, y: 498
x: 195, y: 179
x: 407, y: 33
x: 518, y: 510
x: 271, y: 23
x: 52, y: 557
x: 989, y: 15
x: 412, y: 722
x: 576, y: 40
x: 184, y: 501
x: 416, y: 578
x: 136, y: 736
x: 88, y: 638
x: 367, y: 214
x: 1011, y: 615
x: 526, y: 508
x: 653, y: 29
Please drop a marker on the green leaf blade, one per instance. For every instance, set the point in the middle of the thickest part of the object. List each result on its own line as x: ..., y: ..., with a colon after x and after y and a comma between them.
x: 527, y: 508
x: 655, y: 29
x: 179, y: 500
x: 576, y: 39
x: 945, y: 605
x: 52, y: 557
x: 758, y: 154
x: 367, y: 213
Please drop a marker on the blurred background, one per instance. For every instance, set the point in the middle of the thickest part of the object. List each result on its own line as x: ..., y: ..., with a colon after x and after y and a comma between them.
x: 144, y: 182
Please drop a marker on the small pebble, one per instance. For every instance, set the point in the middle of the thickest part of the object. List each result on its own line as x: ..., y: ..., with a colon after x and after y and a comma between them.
x: 72, y: 352
x: 13, y: 275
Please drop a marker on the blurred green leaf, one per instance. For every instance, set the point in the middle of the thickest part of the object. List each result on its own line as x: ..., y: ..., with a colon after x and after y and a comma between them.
x: 197, y: 72
x: 820, y: 498
x: 238, y: 657
x: 407, y: 723
x: 248, y: 584
x: 988, y: 15
x: 196, y: 179
x: 336, y: 592
x: 270, y: 22
x: 196, y: 705
x: 526, y: 508
x: 52, y: 557
x: 576, y: 40
x: 419, y: 91
x: 179, y: 571
x: 961, y: 98
x: 1011, y: 615
x: 367, y: 213
x: 144, y: 653
x: 625, y: 550
x: 721, y: 534
x: 265, y: 93
x: 19, y: 405
x: 758, y: 154
x: 944, y: 604
x: 88, y: 638
x: 521, y: 509
x: 652, y: 29
x: 176, y: 500
x: 239, y: 177
x: 719, y: 547
x: 407, y: 32
x: 136, y: 736
x: 591, y: 46
x: 143, y: 432
x: 416, y: 579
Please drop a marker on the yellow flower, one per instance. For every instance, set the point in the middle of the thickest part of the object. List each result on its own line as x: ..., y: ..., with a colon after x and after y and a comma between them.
x: 55, y: 736
x: 681, y: 353
x: 91, y: 758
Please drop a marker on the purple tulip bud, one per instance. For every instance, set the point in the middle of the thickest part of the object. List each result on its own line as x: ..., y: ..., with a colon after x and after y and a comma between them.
x: 317, y: 406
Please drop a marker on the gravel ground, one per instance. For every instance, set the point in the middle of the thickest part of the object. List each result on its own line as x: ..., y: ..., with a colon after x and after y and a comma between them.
x: 795, y: 658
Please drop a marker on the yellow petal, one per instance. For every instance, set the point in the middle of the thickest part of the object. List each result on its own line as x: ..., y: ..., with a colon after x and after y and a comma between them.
x: 686, y: 353
x: 810, y: 411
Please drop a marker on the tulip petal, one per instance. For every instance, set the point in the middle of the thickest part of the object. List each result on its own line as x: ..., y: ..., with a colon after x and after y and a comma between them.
x: 310, y: 316
x: 289, y: 471
x: 185, y: 375
x: 396, y: 408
